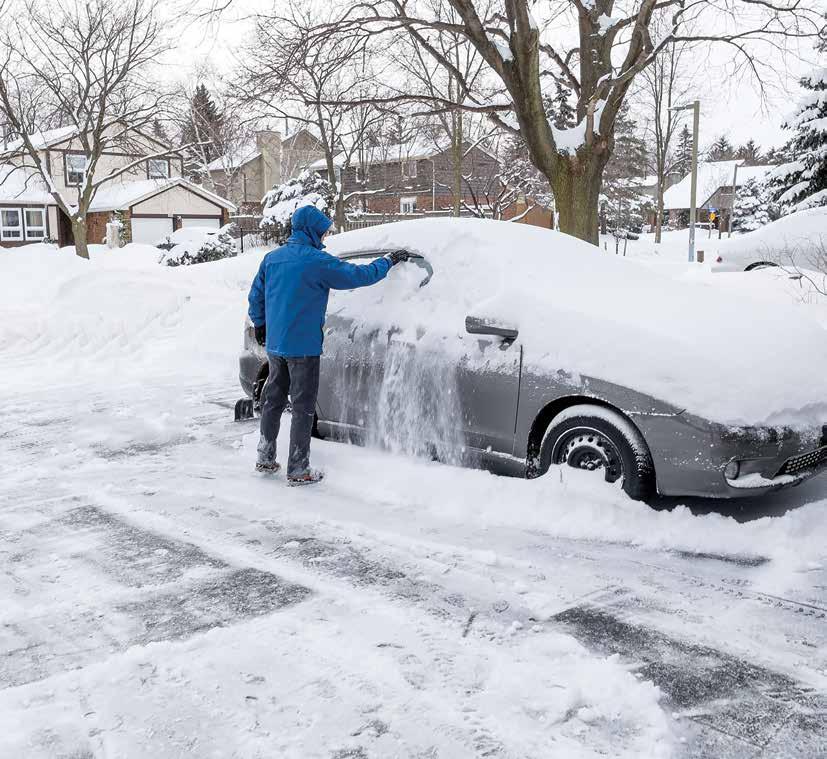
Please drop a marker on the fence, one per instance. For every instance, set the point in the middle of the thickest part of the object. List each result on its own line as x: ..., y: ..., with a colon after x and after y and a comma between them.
x: 247, y: 232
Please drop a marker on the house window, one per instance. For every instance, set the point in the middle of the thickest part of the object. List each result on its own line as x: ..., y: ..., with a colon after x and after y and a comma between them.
x: 11, y: 224
x: 35, y: 223
x: 158, y: 168
x: 362, y: 173
x: 75, y: 168
x: 407, y: 205
x: 409, y: 169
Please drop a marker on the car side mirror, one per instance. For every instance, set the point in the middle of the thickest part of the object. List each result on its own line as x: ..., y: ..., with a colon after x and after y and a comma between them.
x: 475, y: 325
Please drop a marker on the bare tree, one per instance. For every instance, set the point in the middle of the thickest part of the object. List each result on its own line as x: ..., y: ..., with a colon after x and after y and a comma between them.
x: 84, y: 66
x: 664, y: 84
x: 309, y: 79
x: 453, y: 126
x: 216, y: 133
x: 806, y: 263
x: 614, y: 43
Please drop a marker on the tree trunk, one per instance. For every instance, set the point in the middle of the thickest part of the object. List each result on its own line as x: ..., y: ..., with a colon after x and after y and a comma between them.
x: 659, y: 212
x: 79, y: 233
x: 339, y: 214
x: 458, y: 141
x: 576, y: 196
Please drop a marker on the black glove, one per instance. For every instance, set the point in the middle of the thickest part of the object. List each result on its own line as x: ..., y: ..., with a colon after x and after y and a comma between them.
x: 397, y: 256
x: 261, y: 334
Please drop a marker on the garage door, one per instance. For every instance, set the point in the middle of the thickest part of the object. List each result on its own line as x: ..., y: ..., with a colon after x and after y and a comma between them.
x: 213, y: 222
x: 150, y: 231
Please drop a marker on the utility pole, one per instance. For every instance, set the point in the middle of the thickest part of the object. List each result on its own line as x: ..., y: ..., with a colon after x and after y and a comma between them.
x: 734, y: 194
x: 695, y: 107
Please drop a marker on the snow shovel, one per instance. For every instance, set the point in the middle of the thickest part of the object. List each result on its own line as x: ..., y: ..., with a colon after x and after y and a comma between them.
x: 244, y: 409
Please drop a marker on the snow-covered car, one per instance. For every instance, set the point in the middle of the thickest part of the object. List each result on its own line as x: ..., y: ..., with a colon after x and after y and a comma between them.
x: 797, y: 240
x: 517, y: 348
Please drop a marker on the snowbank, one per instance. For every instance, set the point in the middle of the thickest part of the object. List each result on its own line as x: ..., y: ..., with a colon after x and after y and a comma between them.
x: 117, y: 314
x: 578, y: 309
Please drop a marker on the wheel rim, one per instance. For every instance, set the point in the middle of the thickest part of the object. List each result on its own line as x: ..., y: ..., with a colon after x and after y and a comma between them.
x: 588, y: 449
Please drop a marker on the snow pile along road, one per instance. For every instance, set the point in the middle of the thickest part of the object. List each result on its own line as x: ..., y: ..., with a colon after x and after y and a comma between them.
x: 118, y: 315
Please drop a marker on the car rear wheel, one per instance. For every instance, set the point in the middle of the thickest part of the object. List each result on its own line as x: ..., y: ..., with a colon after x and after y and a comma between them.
x: 599, y: 440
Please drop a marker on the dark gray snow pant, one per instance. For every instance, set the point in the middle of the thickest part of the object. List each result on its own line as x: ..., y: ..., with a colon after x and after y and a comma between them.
x: 298, y: 377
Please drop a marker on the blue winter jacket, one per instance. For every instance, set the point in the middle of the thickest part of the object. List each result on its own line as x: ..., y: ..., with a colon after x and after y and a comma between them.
x: 291, y: 288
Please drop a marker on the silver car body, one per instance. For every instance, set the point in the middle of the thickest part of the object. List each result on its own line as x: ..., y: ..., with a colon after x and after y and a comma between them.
x: 504, y: 408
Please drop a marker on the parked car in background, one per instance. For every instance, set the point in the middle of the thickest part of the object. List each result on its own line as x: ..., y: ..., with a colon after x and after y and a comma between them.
x: 795, y: 241
x: 521, y: 349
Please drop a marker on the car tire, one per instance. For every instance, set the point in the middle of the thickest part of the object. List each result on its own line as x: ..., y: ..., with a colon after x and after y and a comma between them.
x: 595, y: 438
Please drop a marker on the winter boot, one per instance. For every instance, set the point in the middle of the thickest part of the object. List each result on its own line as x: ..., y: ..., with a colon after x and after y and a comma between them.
x: 268, y: 467
x: 310, y: 477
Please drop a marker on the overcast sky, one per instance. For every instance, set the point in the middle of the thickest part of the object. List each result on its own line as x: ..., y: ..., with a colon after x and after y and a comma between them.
x: 730, y: 104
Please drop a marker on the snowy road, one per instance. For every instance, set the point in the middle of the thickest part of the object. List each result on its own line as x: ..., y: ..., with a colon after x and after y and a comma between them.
x: 160, y: 599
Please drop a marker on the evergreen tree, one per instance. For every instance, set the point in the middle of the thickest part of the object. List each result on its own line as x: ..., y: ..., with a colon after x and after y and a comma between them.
x: 683, y: 153
x: 750, y: 153
x: 203, y: 124
x: 559, y: 109
x: 802, y: 182
x: 751, y: 207
x: 625, y: 206
x: 721, y: 149
x: 278, y: 205
x: 159, y: 132
x: 775, y: 156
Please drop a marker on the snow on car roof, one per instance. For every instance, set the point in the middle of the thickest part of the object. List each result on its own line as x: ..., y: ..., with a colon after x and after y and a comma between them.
x: 580, y: 309
x: 792, y: 236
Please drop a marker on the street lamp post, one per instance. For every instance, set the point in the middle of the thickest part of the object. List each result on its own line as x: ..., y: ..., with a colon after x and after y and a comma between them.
x: 695, y: 106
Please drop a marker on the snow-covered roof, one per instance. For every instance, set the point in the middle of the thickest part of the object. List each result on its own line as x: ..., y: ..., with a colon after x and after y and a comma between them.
x: 712, y: 175
x: 19, y: 185
x: 120, y: 195
x: 249, y: 152
x: 411, y: 150
x: 42, y: 140
x: 235, y: 159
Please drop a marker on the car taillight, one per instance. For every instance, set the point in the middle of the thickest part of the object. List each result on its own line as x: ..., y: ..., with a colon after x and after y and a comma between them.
x: 719, y: 260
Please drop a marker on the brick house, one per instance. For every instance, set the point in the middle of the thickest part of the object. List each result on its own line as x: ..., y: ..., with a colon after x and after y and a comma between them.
x: 151, y: 195
x: 417, y: 176
x: 246, y: 174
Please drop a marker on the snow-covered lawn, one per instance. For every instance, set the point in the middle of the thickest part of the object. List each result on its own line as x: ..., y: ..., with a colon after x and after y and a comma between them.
x: 160, y: 599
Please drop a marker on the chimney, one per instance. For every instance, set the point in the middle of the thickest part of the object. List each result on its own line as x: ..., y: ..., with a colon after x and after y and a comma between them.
x: 268, y: 143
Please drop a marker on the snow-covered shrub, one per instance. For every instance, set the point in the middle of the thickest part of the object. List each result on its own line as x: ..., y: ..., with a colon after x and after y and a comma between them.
x: 197, y: 245
x: 307, y: 189
x: 752, y: 207
x: 125, y: 231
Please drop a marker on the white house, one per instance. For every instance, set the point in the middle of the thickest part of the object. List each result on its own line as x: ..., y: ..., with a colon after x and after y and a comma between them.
x: 152, y: 196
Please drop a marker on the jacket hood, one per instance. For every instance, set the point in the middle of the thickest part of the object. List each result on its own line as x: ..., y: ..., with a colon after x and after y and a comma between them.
x: 308, y: 226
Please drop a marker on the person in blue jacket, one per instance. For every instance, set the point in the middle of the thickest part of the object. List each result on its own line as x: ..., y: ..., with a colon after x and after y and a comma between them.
x: 288, y: 301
